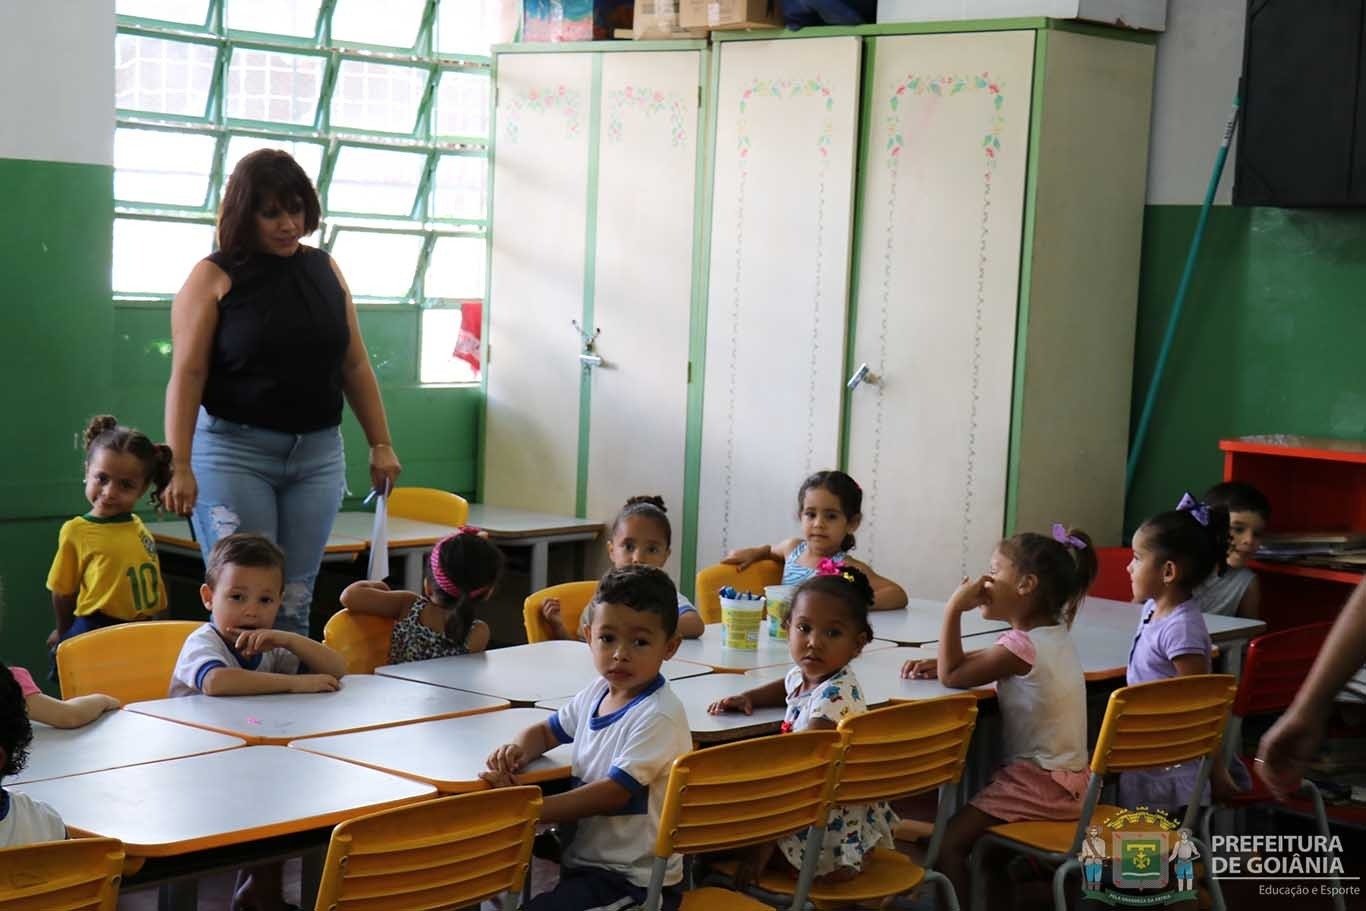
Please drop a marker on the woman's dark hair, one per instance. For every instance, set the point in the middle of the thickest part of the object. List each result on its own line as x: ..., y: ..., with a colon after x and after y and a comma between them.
x: 1237, y: 496
x: 849, y: 585
x: 845, y: 489
x: 1196, y: 548
x: 16, y: 733
x: 263, y: 178
x: 1065, y: 570
x: 105, y: 432
x: 469, y: 566
x: 649, y: 507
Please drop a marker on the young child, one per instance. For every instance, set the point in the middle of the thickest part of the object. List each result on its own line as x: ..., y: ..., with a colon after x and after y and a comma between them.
x: 1174, y: 552
x: 627, y: 728
x: 1233, y: 590
x: 1035, y: 583
x: 462, y: 570
x: 106, y: 568
x: 60, y: 713
x: 23, y: 820
x: 238, y: 653
x: 829, y: 505
x: 827, y: 628
x: 641, y: 533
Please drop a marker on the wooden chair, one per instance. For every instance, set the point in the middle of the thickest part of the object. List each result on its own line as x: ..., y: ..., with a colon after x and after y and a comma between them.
x: 427, y: 504
x: 1272, y: 673
x: 711, y: 579
x: 890, y: 753
x: 574, y: 599
x: 1147, y: 725
x: 363, y: 639
x: 453, y: 852
x: 746, y: 793
x: 79, y: 874
x: 132, y: 662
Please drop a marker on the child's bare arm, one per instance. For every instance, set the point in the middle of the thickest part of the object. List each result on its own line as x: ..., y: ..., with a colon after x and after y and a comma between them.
x: 477, y: 639
x: 690, y: 624
x: 746, y: 557
x: 318, y: 658
x: 64, y: 614
x: 770, y: 695
x: 69, y: 713
x: 887, y: 595
x: 510, y: 758
x: 597, y: 799
x: 377, y: 599
x: 1250, y: 607
x: 1186, y: 665
x: 236, y: 681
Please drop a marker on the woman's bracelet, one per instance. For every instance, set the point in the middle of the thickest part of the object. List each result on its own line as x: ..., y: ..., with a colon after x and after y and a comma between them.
x: 381, y: 446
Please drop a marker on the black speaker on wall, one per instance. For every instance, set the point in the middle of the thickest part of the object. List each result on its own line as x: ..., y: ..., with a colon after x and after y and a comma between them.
x: 1302, y: 141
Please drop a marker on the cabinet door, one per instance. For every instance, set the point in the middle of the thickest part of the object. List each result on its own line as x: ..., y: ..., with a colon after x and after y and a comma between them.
x: 939, y: 261
x: 643, y: 279
x: 540, y: 212
x: 786, y: 124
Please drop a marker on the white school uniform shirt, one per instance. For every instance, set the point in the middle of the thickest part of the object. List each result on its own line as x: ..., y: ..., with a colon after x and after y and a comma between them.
x: 205, y: 651
x: 24, y: 820
x: 634, y: 746
x: 1044, y: 711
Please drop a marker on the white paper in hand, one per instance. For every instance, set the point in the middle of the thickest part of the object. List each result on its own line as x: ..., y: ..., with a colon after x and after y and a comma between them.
x: 379, y: 541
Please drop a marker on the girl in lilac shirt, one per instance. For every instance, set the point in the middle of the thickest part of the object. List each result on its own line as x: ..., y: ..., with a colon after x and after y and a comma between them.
x: 1173, y: 553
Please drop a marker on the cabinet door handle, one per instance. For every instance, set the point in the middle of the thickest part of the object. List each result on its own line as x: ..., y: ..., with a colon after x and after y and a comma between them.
x: 862, y: 375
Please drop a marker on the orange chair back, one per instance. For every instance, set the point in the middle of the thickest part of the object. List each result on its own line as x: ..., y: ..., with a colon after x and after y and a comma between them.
x: 574, y: 598
x: 427, y: 504
x: 905, y: 749
x: 453, y: 852
x: 363, y: 639
x: 711, y: 579
x: 79, y: 874
x: 132, y: 662
x: 1163, y: 722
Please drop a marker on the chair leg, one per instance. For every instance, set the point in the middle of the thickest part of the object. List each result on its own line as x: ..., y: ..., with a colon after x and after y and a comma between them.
x: 1216, y: 895
x: 509, y: 902
x: 945, y: 889
x: 978, y: 899
x: 1060, y: 883
x: 1321, y: 819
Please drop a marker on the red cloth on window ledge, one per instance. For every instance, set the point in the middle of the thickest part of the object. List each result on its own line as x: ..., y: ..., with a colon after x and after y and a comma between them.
x: 467, y: 343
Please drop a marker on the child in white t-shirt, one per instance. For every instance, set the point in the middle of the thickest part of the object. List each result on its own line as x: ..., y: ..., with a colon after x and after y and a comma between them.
x: 23, y: 820
x: 627, y: 728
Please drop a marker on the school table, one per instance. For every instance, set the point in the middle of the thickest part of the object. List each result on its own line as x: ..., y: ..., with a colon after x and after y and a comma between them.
x: 411, y: 539
x: 709, y: 650
x: 114, y: 740
x: 364, y: 701
x: 919, y: 623
x: 175, y: 537
x: 1101, y: 616
x: 448, y: 754
x: 521, y: 674
x: 178, y: 807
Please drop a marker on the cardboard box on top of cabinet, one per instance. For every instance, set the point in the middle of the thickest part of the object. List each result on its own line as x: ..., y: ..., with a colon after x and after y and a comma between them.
x: 730, y: 14
x: 658, y: 19
x: 574, y: 20
x: 1148, y: 15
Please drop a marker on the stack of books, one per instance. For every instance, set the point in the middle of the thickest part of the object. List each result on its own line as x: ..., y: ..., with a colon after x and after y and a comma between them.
x: 1334, y: 550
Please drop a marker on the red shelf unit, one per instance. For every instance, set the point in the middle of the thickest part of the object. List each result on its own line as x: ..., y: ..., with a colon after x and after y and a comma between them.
x: 1314, y: 484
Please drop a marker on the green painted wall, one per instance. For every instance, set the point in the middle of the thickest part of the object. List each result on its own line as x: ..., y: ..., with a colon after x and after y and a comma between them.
x: 1272, y: 338
x: 71, y: 354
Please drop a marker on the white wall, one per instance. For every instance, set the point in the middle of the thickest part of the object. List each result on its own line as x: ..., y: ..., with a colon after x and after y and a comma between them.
x: 1199, y: 60
x: 57, y: 80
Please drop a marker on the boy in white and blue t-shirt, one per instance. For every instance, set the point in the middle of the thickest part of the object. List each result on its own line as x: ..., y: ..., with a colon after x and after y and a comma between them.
x: 627, y: 728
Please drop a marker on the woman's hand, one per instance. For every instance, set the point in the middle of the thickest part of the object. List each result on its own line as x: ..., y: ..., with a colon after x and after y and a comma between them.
x: 180, y: 495
x: 384, y: 467
x: 1286, y: 750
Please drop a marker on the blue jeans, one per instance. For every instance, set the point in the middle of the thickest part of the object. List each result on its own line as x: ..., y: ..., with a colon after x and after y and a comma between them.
x: 286, y: 486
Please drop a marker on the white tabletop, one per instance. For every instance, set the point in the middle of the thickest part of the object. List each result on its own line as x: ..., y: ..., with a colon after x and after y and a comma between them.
x: 1123, y: 616
x: 879, y: 674
x: 499, y: 522
x: 225, y: 798
x: 524, y: 674
x: 114, y: 740
x: 921, y: 621
x: 448, y: 754
x: 709, y: 650
x: 364, y: 701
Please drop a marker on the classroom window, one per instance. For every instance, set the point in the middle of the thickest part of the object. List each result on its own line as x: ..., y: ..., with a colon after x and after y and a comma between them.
x: 385, y: 106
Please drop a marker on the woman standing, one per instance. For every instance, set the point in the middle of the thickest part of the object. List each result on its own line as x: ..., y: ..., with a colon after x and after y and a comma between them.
x: 265, y: 348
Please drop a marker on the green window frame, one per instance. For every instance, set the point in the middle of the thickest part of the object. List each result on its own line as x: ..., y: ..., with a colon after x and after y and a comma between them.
x: 445, y: 172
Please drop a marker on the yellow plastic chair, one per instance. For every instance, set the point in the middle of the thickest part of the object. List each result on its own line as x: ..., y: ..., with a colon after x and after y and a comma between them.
x: 427, y: 504
x: 746, y: 793
x: 574, y: 599
x: 890, y: 753
x: 711, y: 579
x: 80, y: 874
x: 363, y: 639
x: 1147, y: 725
x: 453, y: 852
x: 130, y: 661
